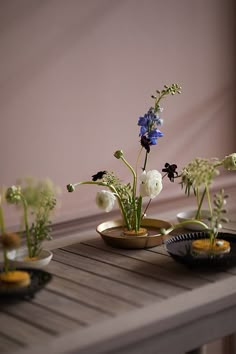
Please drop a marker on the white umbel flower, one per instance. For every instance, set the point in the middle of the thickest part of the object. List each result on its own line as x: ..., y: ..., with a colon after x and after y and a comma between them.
x: 151, y: 183
x: 105, y: 200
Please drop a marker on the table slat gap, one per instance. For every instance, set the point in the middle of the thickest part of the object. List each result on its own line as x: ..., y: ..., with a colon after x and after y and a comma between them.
x: 162, y: 292
x: 31, y: 323
x: 76, y: 301
x: 160, y: 274
x: 120, y: 290
x: 27, y: 333
x: 56, y: 312
x: 10, y: 340
x: 114, y: 297
x: 141, y: 255
x: 70, y: 311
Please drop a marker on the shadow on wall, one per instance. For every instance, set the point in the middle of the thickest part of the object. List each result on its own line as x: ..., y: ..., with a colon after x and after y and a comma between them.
x: 195, y: 128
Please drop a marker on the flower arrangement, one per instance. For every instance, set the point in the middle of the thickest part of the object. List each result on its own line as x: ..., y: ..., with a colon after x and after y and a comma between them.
x: 37, y: 199
x: 197, y: 177
x: 128, y: 195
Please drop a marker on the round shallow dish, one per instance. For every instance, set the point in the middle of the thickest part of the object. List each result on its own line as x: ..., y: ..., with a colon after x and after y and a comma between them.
x: 38, y: 279
x: 17, y: 259
x: 180, y: 248
x: 190, y: 214
x: 112, y: 233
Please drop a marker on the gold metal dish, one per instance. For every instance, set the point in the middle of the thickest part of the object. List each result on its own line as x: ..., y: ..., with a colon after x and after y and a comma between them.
x: 112, y: 232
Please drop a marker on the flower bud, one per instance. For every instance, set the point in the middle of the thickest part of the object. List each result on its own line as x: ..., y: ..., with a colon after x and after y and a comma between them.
x: 118, y: 154
x: 229, y: 162
x: 13, y: 194
x: 70, y: 187
x: 10, y: 241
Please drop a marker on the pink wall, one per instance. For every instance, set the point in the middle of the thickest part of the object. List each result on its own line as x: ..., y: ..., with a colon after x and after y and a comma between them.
x: 75, y: 76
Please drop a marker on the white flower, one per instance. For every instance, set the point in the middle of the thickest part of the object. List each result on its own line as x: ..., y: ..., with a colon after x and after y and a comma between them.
x: 105, y: 200
x: 151, y: 183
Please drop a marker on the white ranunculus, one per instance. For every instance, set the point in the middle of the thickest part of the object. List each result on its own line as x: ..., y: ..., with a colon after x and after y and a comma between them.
x: 105, y: 200
x: 151, y: 183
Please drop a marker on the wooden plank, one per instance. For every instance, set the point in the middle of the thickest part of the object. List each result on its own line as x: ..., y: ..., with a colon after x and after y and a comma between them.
x: 163, y: 261
x: 169, y: 327
x: 48, y: 320
x: 8, y: 343
x: 104, y: 285
x: 22, y: 331
x: 211, y: 275
x: 115, y: 257
x: 89, y: 296
x: 141, y: 254
x: 71, y: 309
x: 124, y: 276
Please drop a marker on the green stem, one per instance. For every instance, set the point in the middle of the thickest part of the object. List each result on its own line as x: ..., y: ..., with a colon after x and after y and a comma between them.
x: 158, y: 100
x: 147, y: 206
x: 197, y: 196
x: 139, y: 210
x: 219, y: 163
x: 2, y: 226
x: 136, y: 165
x: 27, y: 230
x: 113, y: 190
x: 183, y: 223
x: 198, y: 214
x: 134, y: 192
x: 145, y: 161
x: 126, y: 220
x: 134, y: 175
x: 209, y: 199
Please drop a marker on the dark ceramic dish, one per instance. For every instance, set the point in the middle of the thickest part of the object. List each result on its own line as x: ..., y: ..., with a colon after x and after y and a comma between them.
x: 179, y: 247
x: 38, y: 279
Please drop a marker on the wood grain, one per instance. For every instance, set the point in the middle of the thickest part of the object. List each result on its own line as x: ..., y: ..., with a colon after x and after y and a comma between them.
x: 103, y: 285
x: 125, y: 276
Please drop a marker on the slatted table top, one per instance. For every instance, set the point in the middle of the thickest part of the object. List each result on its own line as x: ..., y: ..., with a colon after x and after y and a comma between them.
x: 99, y: 296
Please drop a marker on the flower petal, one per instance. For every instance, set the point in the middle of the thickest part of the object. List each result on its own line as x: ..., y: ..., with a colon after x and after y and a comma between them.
x: 105, y: 200
x: 151, y: 184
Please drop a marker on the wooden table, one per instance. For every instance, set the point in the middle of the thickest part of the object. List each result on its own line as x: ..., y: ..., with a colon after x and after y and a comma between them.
x: 105, y: 300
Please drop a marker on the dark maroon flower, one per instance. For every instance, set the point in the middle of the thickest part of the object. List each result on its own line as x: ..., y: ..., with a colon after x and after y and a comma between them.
x: 98, y: 175
x: 170, y: 171
x: 145, y: 142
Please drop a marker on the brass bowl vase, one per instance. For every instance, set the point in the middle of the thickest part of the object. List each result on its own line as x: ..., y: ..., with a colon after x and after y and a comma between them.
x: 113, y: 234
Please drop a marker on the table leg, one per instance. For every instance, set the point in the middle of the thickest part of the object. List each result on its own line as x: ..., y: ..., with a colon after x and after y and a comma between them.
x: 200, y: 350
x: 229, y: 344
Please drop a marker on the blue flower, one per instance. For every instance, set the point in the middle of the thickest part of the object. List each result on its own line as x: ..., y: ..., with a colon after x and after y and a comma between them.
x: 148, y: 126
x: 154, y: 135
x: 143, y: 131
